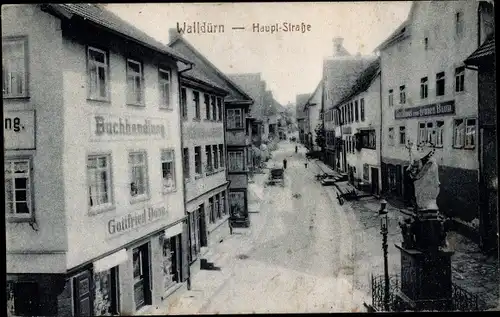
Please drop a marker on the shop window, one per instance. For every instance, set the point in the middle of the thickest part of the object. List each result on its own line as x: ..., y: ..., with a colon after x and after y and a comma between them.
x: 197, y: 161
x: 237, y: 205
x: 439, y: 133
x: 236, y: 161
x: 206, y: 99
x: 402, y: 135
x: 98, y: 73
x: 106, y: 292
x: 208, y: 155
x: 459, y: 79
x: 458, y: 133
x: 391, y: 136
x: 185, y: 163
x: 424, y: 88
x: 194, y: 234
x: 171, y: 262
x: 168, y: 170
x: 14, y: 68
x: 430, y: 133
x: 135, y: 85
x: 196, y: 99
x: 221, y: 155
x: 138, y: 174
x: 440, y: 84
x: 164, y: 83
x: 234, y: 119
x: 18, y: 188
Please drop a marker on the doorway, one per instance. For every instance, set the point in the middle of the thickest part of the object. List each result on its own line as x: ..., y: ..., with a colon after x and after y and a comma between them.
x: 374, y: 177
x: 83, y: 299
x: 142, y: 276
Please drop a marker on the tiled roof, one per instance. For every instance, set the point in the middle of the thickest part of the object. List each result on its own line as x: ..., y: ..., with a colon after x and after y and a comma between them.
x: 364, y: 80
x: 253, y: 85
x: 486, y: 49
x: 99, y: 15
x: 216, y: 78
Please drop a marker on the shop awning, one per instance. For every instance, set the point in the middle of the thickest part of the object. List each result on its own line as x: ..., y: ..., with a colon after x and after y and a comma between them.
x: 111, y: 261
x: 173, y: 231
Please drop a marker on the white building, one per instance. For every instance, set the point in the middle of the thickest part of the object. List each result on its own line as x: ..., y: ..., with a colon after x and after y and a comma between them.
x: 312, y: 111
x: 429, y: 96
x: 358, y: 123
x: 94, y: 190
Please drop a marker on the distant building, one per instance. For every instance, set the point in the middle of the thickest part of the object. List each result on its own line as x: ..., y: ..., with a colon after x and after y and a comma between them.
x: 429, y: 96
x: 313, y: 114
x: 358, y: 115
x: 300, y: 116
x: 204, y: 152
x: 95, y: 221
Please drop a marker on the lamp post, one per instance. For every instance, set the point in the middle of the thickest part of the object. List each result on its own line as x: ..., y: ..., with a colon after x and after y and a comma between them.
x: 384, y: 230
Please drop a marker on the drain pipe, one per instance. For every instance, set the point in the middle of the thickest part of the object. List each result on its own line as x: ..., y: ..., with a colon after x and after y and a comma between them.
x: 380, y: 135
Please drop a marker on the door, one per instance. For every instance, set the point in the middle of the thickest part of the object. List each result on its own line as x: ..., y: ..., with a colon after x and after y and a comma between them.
x: 375, y: 181
x: 203, y: 226
x: 142, y: 289
x: 82, y: 285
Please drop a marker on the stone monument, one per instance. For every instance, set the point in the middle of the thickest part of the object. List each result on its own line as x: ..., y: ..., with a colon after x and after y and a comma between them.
x: 425, y: 262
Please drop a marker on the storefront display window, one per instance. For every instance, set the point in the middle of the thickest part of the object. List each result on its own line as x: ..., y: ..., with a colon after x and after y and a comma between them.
x: 171, y: 262
x: 194, y: 230
x: 105, y: 301
x: 237, y: 204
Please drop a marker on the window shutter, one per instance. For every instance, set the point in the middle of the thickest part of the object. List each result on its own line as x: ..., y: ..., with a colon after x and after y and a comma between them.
x: 185, y: 251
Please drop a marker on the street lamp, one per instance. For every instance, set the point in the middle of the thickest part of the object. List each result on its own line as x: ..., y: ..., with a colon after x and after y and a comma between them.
x: 384, y: 230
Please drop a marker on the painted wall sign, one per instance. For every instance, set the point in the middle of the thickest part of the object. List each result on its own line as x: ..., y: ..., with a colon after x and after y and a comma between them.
x: 121, y: 224
x: 436, y: 109
x: 199, y: 132
x: 106, y: 127
x: 19, y: 130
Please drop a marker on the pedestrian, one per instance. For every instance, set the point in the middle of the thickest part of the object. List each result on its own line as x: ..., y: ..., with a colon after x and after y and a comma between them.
x: 296, y: 148
x: 284, y: 163
x: 307, y: 160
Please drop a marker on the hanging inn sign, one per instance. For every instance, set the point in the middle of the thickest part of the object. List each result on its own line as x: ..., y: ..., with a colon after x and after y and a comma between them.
x: 436, y: 109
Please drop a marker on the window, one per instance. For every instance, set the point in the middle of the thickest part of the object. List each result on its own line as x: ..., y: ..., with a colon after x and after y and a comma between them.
x: 351, y: 111
x: 197, y: 161
x: 391, y: 136
x: 214, y: 109
x: 219, y: 108
x: 134, y: 82
x: 422, y: 132
x: 211, y: 208
x: 215, y: 154
x: 459, y: 79
x: 14, y: 64
x: 223, y: 203
x: 430, y: 133
x: 164, y: 88
x: 217, y: 206
x: 423, y: 88
x: 470, y: 133
x: 194, y: 233
x: 168, y: 170
x: 106, y: 287
x: 196, y: 99
x: 362, y: 108
x: 234, y: 119
x: 206, y: 98
x: 236, y: 161
x: 18, y: 186
x: 459, y: 132
x: 391, y: 97
x: 439, y: 133
x: 367, y: 139
x: 426, y: 43
x: 184, y: 109
x: 356, y: 111
x: 171, y: 251
x: 221, y: 155
x: 99, y: 181
x: 459, y: 24
x: 440, y: 81
x: 402, y: 135
x: 402, y: 94
x: 185, y: 163
x: 138, y: 174
x: 98, y: 73
x: 208, y: 155
x: 366, y: 174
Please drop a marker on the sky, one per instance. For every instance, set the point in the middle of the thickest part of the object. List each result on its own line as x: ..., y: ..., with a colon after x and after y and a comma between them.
x: 290, y: 62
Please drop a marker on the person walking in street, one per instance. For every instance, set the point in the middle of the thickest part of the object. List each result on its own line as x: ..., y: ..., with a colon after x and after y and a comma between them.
x: 307, y: 161
x: 296, y: 148
x: 284, y: 163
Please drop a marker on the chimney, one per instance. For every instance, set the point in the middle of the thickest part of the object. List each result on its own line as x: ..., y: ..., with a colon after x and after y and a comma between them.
x: 172, y: 34
x: 337, y: 45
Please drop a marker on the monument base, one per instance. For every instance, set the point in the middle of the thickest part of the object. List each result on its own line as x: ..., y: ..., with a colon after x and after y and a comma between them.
x: 426, y: 282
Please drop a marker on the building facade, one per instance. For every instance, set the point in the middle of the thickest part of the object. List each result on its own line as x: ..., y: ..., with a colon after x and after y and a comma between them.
x: 357, y: 120
x: 93, y: 171
x: 429, y: 97
x: 300, y: 115
x: 312, y: 111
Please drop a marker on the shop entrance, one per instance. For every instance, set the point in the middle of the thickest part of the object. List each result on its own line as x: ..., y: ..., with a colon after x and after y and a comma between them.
x: 141, y: 265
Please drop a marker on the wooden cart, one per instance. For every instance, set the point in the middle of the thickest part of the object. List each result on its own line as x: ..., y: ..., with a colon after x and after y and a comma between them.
x: 276, y: 176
